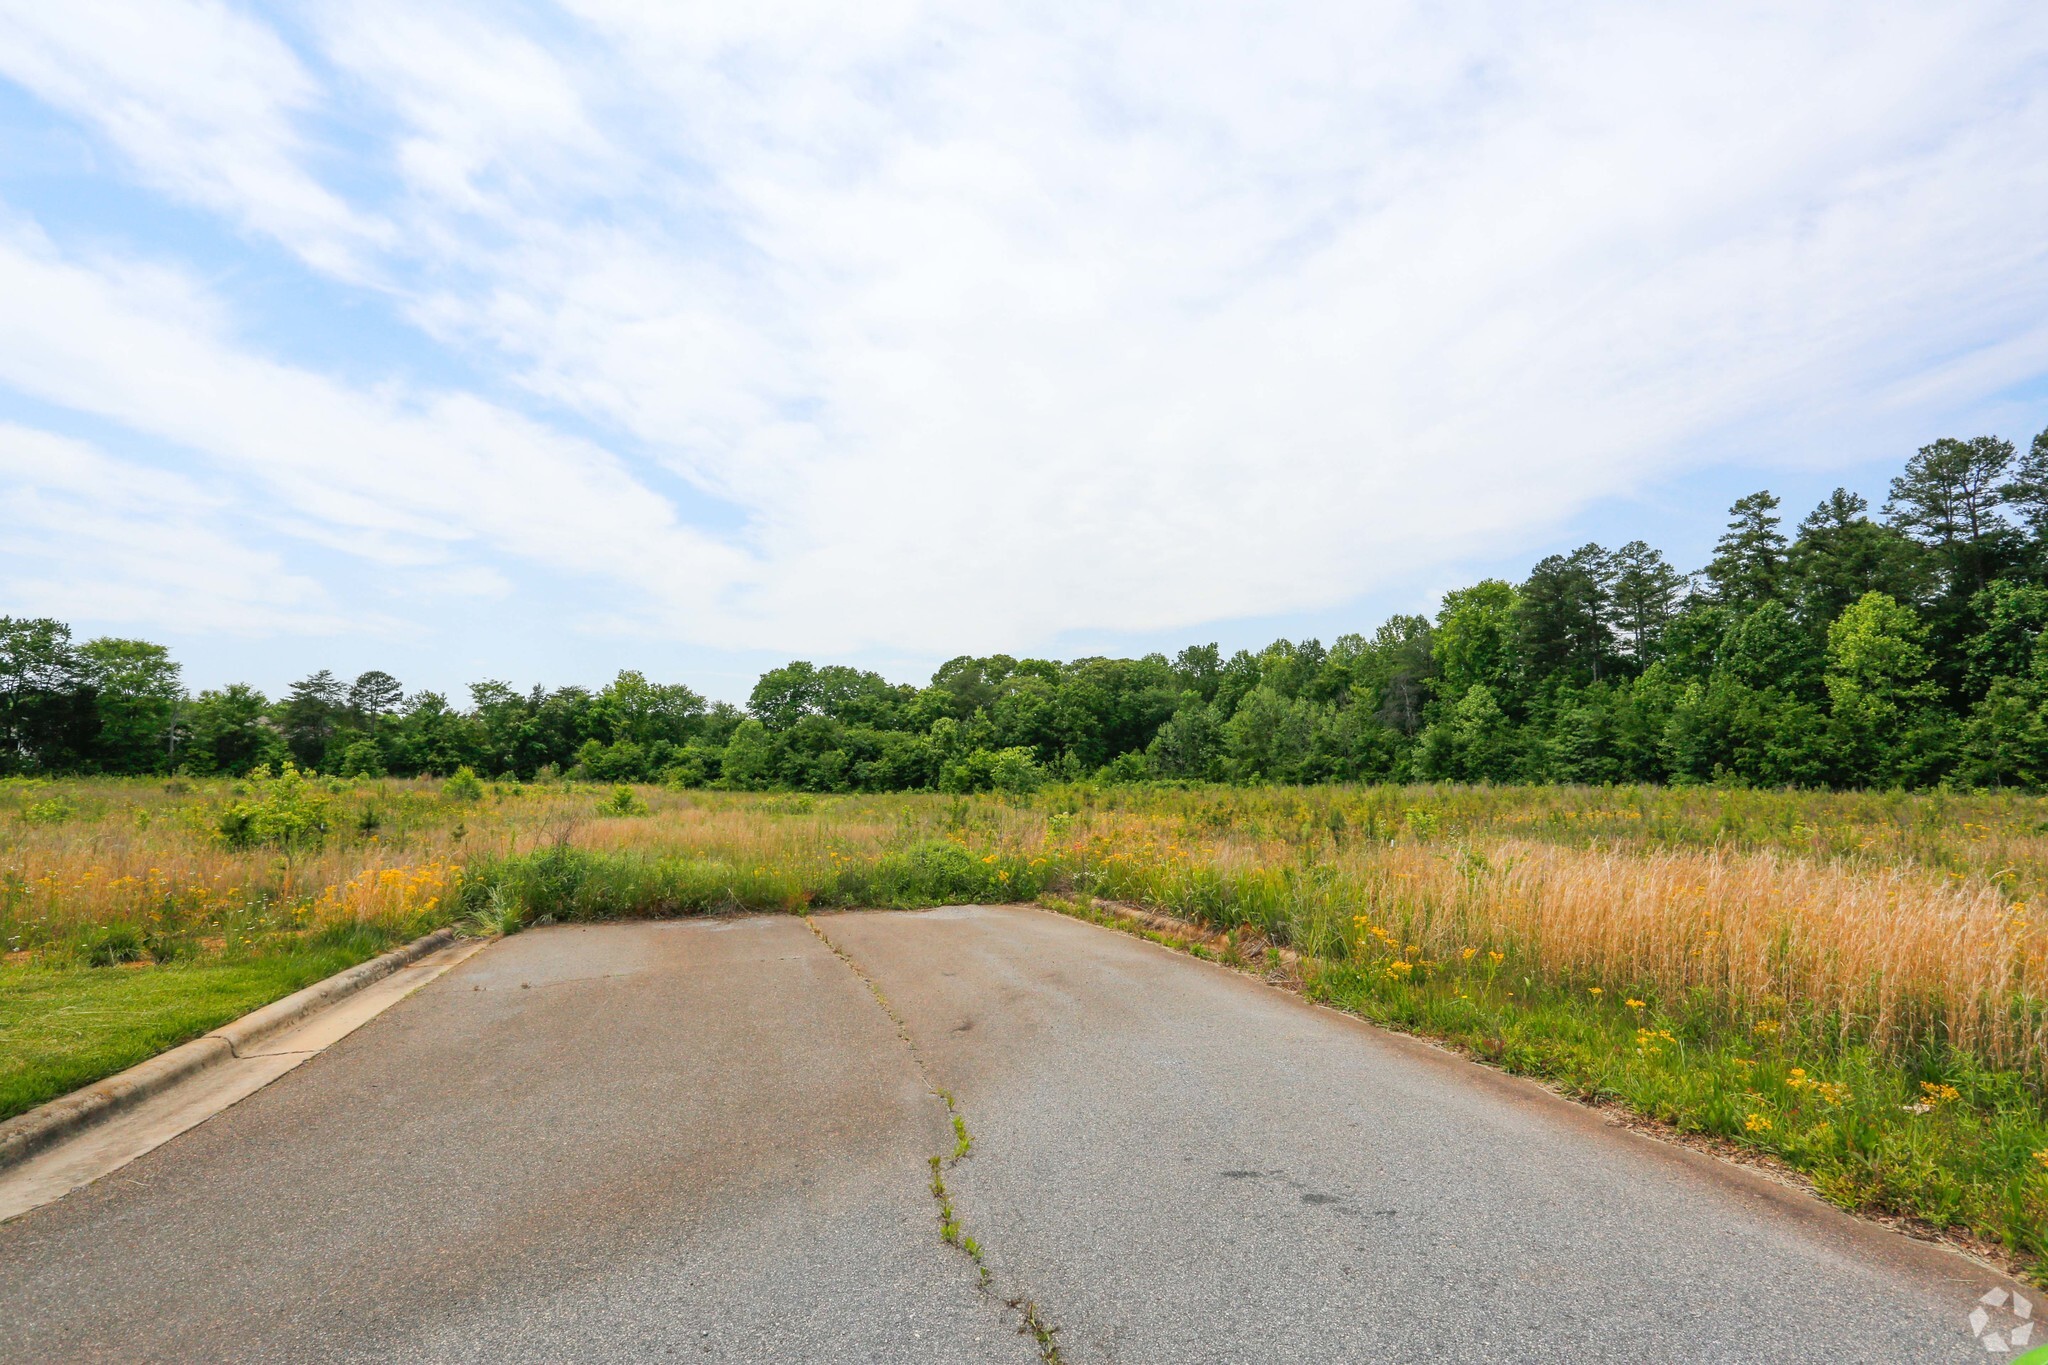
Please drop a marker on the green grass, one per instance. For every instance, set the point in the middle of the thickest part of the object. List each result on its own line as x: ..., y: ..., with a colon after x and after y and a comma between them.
x: 109, y: 871
x: 1936, y: 1138
x: 64, y: 1027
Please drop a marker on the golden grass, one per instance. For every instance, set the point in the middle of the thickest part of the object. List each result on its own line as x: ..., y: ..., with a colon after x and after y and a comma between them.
x: 1896, y: 920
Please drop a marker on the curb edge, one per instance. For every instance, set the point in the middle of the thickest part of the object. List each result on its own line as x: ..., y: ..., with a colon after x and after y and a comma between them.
x: 41, y: 1128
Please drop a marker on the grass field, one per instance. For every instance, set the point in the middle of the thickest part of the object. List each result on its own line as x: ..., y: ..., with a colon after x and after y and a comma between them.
x: 1855, y: 984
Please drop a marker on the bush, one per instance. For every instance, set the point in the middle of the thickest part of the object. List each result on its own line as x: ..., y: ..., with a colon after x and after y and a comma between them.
x: 1130, y: 767
x: 981, y: 770
x: 621, y: 762
x: 692, y: 767
x: 464, y: 785
x: 111, y: 946
x: 362, y: 759
x: 54, y: 811
x: 281, y: 812
x: 622, y: 802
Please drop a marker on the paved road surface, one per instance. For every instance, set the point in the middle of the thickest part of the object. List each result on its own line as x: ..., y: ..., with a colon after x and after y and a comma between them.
x: 708, y: 1141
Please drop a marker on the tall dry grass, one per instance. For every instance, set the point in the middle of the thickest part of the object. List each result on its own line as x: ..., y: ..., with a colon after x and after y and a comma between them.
x: 1894, y: 956
x: 1902, y: 921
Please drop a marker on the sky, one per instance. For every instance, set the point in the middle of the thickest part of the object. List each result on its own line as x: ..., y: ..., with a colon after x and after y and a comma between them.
x: 535, y: 341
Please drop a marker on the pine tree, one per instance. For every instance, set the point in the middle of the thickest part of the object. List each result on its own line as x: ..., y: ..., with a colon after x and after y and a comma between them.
x: 1949, y: 498
x: 1842, y: 554
x: 1749, y: 558
x: 1644, y: 598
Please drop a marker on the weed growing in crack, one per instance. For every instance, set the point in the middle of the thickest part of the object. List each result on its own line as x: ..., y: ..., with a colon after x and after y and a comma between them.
x: 1038, y: 1328
x: 950, y: 1231
x: 949, y: 1222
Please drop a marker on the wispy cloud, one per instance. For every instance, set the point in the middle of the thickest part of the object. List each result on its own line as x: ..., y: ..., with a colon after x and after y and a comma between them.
x: 430, y: 470
x: 203, y: 101
x: 1000, y: 322
x: 96, y: 538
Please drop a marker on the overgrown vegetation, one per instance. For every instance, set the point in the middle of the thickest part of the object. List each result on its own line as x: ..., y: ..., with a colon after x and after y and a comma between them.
x: 1902, y: 651
x: 1856, y: 983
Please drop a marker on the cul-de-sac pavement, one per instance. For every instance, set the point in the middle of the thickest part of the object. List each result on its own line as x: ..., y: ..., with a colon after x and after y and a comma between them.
x: 713, y: 1140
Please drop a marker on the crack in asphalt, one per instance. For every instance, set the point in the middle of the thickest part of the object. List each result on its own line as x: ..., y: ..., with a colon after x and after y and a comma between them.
x: 1033, y: 1322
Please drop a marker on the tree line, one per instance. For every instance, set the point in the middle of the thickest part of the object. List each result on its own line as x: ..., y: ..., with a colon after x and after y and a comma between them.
x: 1901, y: 649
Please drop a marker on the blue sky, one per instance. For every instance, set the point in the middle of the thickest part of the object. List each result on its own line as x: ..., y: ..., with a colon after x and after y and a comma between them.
x: 535, y: 341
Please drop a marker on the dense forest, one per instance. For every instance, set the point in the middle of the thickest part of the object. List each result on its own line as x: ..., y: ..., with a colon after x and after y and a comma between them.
x: 1903, y: 649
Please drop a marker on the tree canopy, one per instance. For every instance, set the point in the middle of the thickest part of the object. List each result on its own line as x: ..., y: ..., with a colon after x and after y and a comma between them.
x: 1901, y: 650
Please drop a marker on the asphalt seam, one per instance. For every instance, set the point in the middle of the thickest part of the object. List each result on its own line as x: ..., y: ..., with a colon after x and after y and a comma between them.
x: 1033, y: 1322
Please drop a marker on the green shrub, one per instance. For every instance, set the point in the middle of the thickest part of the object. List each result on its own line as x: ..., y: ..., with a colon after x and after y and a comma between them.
x: 362, y: 759
x: 280, y: 811
x: 622, y: 801
x: 111, y: 945
x: 981, y: 770
x: 464, y: 785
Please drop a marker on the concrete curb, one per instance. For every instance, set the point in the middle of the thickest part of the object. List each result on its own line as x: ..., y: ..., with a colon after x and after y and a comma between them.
x: 46, y: 1125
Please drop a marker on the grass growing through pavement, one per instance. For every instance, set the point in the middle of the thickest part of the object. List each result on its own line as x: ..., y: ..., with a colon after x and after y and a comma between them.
x: 1854, y: 983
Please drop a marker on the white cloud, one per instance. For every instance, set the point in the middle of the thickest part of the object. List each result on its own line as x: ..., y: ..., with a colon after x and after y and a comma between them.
x: 405, y: 473
x: 999, y: 321
x: 91, y: 537
x: 202, y: 100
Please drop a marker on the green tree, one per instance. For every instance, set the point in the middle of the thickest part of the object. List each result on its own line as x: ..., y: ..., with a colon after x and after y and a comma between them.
x: 1269, y: 737
x: 1562, y: 616
x: 374, y: 695
x: 1474, y: 741
x: 1189, y: 744
x: 2028, y: 489
x: 1950, y: 498
x: 1768, y: 649
x: 2013, y: 616
x: 2004, y: 741
x: 1749, y: 558
x: 48, y: 716
x: 654, y: 716
x: 138, y: 692
x: 1840, y: 554
x: 785, y: 695
x: 1644, y: 596
x: 309, y: 716
x: 748, y: 763
x: 362, y: 758
x: 1878, y: 687
x: 1475, y: 642
x: 1200, y: 670
x: 231, y: 731
x: 1392, y: 673
x: 432, y: 737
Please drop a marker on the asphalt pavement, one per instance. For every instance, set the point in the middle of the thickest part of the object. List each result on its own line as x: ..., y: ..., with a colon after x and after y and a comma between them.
x: 709, y: 1140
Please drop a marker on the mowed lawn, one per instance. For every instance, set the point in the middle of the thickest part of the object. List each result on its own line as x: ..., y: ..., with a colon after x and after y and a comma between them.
x: 65, y: 1027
